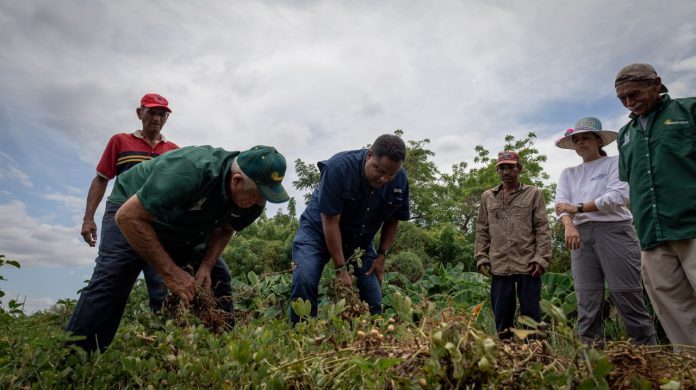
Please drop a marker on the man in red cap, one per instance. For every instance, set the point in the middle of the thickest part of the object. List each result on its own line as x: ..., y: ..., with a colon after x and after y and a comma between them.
x: 513, y: 244
x: 123, y: 151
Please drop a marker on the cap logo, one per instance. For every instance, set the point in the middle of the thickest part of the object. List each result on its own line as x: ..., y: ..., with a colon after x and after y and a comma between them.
x: 276, y: 177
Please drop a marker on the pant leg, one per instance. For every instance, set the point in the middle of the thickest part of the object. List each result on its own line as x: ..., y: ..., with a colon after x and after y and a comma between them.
x: 156, y: 289
x: 618, y: 250
x: 529, y: 293
x: 221, y: 281
x: 670, y: 291
x: 504, y: 304
x: 588, y: 281
x: 368, y: 285
x: 309, y: 255
x: 100, y: 307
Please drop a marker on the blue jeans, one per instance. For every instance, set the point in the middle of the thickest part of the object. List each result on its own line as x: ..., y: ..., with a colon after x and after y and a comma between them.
x: 156, y: 289
x: 100, y: 307
x: 310, y: 255
x: 505, y: 290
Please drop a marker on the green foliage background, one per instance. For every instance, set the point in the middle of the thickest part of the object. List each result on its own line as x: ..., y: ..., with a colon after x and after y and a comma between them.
x: 430, y: 274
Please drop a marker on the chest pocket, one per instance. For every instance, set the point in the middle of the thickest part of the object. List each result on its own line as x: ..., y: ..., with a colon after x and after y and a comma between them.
x: 676, y: 135
x: 351, y: 204
x: 393, y: 201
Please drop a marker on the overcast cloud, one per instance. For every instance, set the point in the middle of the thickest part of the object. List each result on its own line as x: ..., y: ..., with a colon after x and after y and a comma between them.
x: 310, y: 77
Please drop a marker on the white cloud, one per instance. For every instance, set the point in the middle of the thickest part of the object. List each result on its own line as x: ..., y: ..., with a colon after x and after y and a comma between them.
x: 315, y: 78
x: 12, y: 172
x: 34, y: 243
x: 30, y: 304
x: 73, y: 202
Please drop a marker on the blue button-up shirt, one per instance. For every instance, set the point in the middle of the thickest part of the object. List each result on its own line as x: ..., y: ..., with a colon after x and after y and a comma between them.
x: 343, y: 189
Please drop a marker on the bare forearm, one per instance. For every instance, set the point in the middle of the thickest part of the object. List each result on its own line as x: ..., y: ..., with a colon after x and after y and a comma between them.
x: 332, y: 236
x: 95, y: 196
x: 136, y: 225
x: 388, y: 236
x: 567, y: 220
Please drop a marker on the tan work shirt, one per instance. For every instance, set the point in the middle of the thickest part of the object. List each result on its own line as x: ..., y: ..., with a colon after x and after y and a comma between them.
x: 511, y: 235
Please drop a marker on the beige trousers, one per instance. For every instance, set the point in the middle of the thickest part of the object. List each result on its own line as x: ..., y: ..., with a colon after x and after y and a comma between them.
x: 669, y: 275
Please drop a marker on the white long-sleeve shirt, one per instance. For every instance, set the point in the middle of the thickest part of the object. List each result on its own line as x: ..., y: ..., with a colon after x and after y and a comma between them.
x: 596, y: 180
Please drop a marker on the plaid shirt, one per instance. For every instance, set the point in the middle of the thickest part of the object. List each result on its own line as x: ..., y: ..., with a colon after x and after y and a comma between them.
x: 510, y: 235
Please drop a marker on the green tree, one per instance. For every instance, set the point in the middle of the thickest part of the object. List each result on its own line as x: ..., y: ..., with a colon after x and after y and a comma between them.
x: 307, y: 178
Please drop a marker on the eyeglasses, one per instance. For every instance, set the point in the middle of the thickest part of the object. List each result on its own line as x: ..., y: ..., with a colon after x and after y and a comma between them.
x: 160, y: 113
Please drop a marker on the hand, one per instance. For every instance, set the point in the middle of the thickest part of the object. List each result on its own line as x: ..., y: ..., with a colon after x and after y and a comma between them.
x: 203, y: 277
x: 344, y: 277
x: 566, y: 208
x: 89, y: 232
x: 183, y: 285
x: 535, y: 269
x: 485, y: 269
x: 378, y: 268
x: 572, y: 237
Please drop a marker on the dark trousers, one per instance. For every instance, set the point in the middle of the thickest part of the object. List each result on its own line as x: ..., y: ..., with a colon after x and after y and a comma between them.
x: 100, y: 307
x: 504, y: 293
x: 310, y: 255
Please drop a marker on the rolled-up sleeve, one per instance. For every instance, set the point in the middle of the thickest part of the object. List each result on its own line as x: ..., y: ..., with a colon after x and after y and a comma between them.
x: 617, y: 190
x: 563, y: 192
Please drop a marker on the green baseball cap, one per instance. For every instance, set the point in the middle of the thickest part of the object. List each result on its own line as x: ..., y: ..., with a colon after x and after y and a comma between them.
x: 266, y: 167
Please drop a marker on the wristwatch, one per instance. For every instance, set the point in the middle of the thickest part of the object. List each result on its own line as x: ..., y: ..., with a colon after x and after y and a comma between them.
x: 341, y: 268
x: 580, y: 206
x: 384, y: 252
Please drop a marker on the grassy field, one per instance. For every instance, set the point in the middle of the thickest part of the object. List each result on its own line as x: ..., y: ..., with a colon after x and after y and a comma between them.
x: 435, y: 333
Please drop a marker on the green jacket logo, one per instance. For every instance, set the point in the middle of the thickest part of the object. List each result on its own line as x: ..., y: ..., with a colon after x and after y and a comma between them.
x: 670, y: 122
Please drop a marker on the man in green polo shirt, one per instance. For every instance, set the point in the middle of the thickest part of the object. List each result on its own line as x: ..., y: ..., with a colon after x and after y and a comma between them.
x: 179, y: 209
x: 657, y: 157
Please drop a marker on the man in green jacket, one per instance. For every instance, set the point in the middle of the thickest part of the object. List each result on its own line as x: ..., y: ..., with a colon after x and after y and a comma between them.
x: 657, y: 157
x: 180, y: 209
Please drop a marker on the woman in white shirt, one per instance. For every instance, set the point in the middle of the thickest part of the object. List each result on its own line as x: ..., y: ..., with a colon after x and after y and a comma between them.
x: 591, y: 204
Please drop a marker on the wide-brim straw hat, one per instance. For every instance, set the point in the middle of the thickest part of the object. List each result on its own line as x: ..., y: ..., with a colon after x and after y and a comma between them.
x: 585, y: 125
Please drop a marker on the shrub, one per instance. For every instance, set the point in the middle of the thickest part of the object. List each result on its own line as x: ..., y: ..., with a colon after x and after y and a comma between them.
x: 408, y: 264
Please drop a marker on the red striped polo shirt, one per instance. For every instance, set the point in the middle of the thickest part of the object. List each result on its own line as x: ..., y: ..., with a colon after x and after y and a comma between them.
x: 126, y: 150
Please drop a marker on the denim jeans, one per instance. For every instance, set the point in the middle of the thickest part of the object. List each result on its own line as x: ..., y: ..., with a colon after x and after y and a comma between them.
x: 505, y: 290
x: 100, y: 307
x: 310, y: 255
x: 156, y: 289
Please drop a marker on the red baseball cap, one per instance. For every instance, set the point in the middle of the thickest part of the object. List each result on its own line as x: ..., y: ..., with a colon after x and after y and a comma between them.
x: 154, y: 100
x: 508, y: 157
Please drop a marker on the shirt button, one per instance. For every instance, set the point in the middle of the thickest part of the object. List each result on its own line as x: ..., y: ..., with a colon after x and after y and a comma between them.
x: 652, y: 189
x: 648, y: 171
x: 653, y: 204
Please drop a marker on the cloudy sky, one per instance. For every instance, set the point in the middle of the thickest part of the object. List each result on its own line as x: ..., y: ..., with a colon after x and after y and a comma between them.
x: 311, y: 77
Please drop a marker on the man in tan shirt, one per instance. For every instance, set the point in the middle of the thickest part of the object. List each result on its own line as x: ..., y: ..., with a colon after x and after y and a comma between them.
x: 513, y: 244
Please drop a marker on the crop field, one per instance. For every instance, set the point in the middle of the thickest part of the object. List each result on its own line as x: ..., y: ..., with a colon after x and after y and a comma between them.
x: 435, y: 333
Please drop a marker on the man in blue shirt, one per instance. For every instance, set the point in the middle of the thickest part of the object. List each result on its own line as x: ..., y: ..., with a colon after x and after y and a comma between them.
x: 360, y: 191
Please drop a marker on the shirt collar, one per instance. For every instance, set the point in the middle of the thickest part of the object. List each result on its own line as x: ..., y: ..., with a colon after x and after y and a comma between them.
x: 139, y: 134
x: 519, y: 188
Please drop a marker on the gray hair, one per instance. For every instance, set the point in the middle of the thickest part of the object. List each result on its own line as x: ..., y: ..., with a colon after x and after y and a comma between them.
x: 248, y: 184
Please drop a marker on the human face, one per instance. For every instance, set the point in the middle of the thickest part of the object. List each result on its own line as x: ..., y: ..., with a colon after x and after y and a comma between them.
x: 587, y: 145
x: 380, y: 171
x: 153, y: 118
x: 638, y: 96
x: 244, y: 193
x: 509, y: 173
